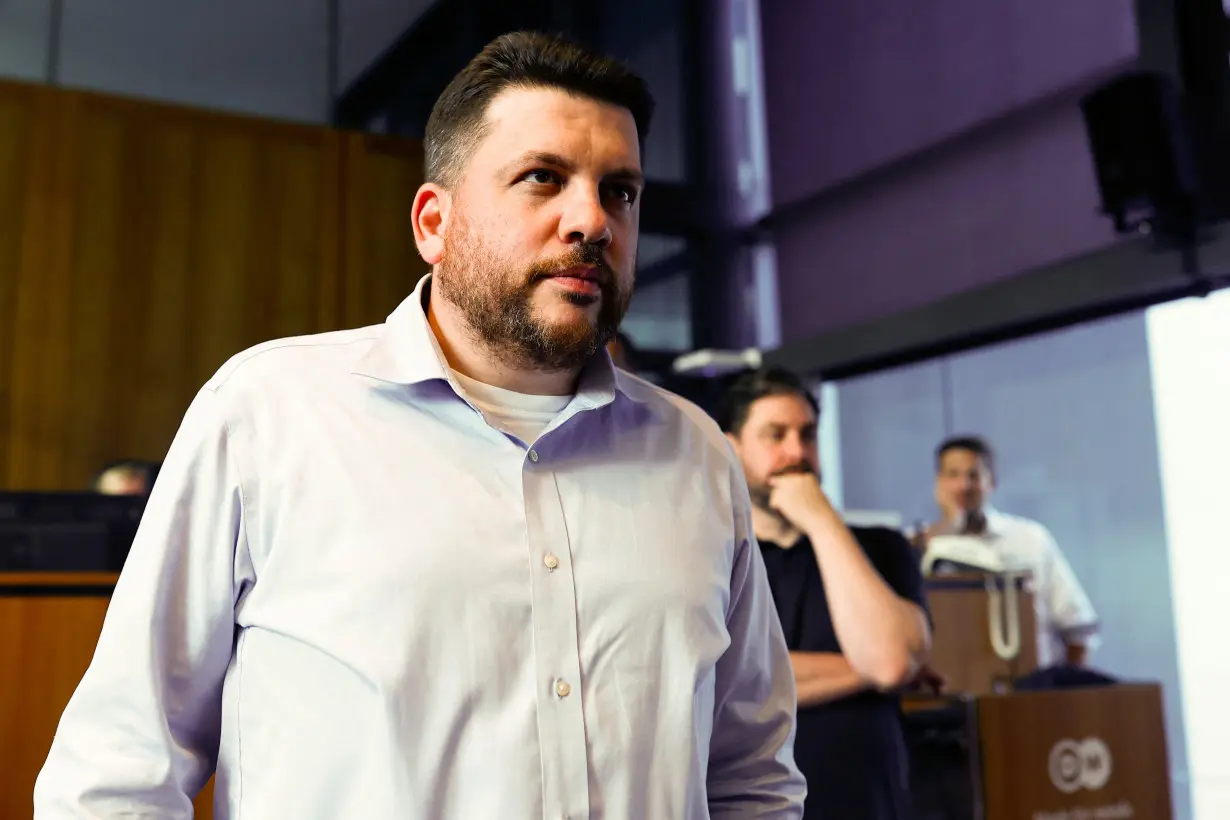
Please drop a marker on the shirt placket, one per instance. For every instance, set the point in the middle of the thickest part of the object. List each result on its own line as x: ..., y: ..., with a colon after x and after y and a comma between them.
x: 561, y: 721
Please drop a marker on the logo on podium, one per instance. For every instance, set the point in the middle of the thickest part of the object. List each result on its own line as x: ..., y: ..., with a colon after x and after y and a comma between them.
x: 1076, y: 765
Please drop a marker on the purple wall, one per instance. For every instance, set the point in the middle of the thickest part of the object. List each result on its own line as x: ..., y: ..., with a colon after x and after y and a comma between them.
x: 1008, y: 202
x: 853, y: 85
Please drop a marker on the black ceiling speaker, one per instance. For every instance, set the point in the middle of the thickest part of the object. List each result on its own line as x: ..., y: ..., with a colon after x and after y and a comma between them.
x: 1145, y: 153
x: 1159, y: 138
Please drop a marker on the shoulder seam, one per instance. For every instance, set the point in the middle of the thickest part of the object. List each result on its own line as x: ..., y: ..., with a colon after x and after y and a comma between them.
x: 224, y: 373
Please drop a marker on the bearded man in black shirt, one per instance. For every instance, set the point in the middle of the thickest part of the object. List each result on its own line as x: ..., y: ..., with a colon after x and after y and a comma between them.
x: 850, y: 601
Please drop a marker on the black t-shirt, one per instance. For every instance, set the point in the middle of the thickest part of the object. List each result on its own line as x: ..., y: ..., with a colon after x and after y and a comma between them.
x: 851, y: 750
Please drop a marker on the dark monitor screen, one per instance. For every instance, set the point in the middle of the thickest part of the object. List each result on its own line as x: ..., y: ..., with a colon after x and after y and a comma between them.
x: 66, y: 532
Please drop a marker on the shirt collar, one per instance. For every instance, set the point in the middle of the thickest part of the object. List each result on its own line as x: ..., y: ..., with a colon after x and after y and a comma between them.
x: 408, y: 353
x: 996, y: 521
x: 996, y: 524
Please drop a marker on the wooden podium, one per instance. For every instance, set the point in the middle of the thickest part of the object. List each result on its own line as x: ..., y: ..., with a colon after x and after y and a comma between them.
x: 49, y: 625
x: 1072, y: 754
x: 961, y: 646
x: 1096, y: 753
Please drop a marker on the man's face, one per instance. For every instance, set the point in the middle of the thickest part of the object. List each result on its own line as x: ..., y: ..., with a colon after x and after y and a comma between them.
x: 539, y: 238
x: 963, y: 482
x: 779, y: 437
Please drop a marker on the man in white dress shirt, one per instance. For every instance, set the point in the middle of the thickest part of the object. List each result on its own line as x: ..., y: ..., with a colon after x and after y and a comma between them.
x: 454, y: 566
x: 964, y: 481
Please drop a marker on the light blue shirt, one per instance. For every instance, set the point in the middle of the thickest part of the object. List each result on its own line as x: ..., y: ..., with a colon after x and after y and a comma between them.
x: 364, y: 601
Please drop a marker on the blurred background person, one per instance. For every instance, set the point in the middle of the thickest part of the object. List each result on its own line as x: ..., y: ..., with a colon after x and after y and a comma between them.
x: 850, y: 600
x: 964, y: 483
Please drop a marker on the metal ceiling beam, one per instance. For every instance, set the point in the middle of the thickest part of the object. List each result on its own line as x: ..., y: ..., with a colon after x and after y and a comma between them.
x: 1130, y: 275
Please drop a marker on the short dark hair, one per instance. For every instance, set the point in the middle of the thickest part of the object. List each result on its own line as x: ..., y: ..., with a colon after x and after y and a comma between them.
x: 977, y: 445
x: 754, y: 385
x: 523, y: 59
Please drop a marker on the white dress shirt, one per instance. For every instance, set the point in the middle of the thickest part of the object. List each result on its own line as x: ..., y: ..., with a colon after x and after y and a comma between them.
x: 1063, y: 610
x: 363, y: 601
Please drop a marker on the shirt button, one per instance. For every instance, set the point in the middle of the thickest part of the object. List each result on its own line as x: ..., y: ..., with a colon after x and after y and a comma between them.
x: 534, y: 456
x: 550, y: 561
x: 562, y: 688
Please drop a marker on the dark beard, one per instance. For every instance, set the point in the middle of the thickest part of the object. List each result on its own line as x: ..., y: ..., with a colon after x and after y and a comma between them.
x: 496, y: 304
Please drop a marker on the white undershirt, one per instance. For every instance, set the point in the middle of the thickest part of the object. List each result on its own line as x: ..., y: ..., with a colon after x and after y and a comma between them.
x: 522, y: 414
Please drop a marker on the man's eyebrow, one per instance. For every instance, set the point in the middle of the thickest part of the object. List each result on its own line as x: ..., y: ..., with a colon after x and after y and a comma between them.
x: 626, y: 175
x: 535, y: 158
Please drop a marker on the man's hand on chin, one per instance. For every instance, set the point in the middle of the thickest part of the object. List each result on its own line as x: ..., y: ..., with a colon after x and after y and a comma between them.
x: 798, y: 497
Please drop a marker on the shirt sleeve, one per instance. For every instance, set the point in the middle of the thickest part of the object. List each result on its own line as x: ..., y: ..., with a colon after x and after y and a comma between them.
x: 139, y: 736
x: 752, y: 773
x: 1071, y: 612
x: 900, y: 565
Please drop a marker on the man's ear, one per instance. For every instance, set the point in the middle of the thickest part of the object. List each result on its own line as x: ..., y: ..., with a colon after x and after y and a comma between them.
x: 429, y: 216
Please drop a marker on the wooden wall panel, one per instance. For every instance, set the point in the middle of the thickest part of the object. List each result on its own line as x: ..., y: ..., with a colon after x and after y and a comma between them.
x: 158, y: 242
x: 381, y: 263
x: 20, y: 131
x: 142, y: 245
x: 33, y: 346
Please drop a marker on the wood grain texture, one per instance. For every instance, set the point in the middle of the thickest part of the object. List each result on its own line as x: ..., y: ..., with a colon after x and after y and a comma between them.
x: 45, y: 646
x: 19, y: 115
x: 27, y: 250
x: 180, y: 238
x: 142, y: 245
x: 381, y: 262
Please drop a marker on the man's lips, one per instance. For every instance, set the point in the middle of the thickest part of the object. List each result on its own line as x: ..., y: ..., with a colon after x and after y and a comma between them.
x: 584, y: 280
x: 586, y: 274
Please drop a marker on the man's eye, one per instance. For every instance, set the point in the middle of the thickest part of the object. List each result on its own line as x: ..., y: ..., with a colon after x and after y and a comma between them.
x: 624, y: 193
x: 541, y: 176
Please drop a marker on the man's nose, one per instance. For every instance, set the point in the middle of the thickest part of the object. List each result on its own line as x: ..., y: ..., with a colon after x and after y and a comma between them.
x: 585, y: 219
x: 794, y: 449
